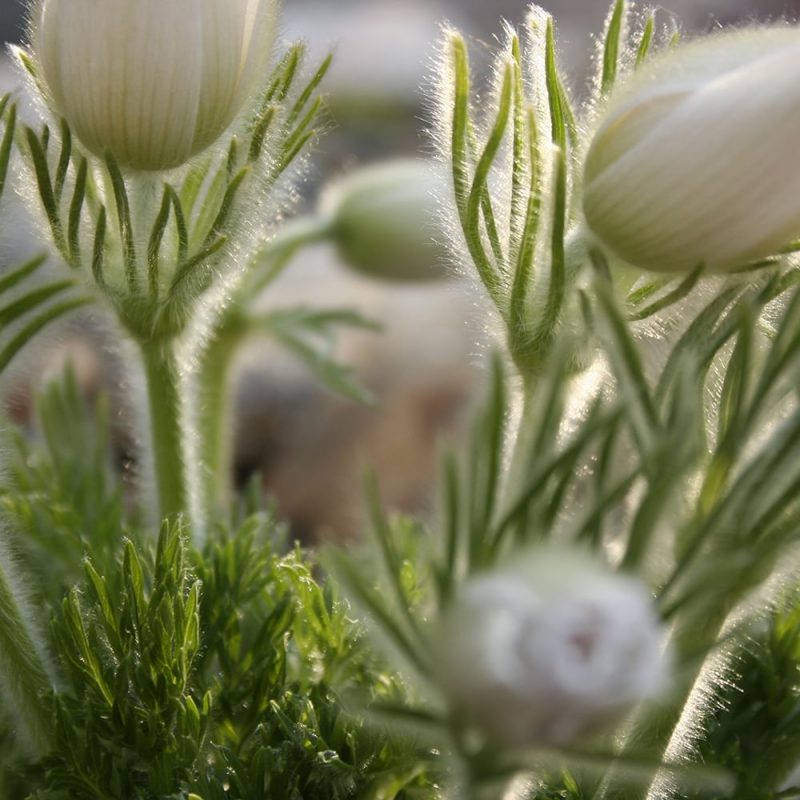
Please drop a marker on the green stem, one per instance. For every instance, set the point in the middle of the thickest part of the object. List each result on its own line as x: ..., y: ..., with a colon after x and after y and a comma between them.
x: 166, y: 427
x: 523, y: 442
x: 518, y: 463
x: 229, y: 332
x: 214, y: 415
x: 23, y: 675
x: 652, y: 732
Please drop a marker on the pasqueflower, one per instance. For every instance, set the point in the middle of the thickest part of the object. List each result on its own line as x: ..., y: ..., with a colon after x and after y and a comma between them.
x: 151, y: 82
x: 695, y: 161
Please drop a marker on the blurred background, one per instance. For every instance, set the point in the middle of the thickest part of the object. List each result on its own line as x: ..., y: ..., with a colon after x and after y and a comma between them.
x: 308, y: 444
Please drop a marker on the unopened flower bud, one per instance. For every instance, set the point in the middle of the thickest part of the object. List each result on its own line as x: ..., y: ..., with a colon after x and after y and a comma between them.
x: 152, y: 82
x: 383, y: 220
x: 696, y: 161
x: 542, y: 653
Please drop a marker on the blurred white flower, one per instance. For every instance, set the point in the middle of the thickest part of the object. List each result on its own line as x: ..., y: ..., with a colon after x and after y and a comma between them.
x: 696, y: 158
x: 542, y: 653
x: 153, y: 81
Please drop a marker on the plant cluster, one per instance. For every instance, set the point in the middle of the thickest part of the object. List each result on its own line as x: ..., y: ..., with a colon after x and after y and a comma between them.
x: 603, y: 603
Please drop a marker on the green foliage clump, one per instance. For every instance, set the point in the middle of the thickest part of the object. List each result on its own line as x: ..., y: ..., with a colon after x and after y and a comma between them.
x: 129, y: 724
x: 224, y: 671
x: 59, y: 491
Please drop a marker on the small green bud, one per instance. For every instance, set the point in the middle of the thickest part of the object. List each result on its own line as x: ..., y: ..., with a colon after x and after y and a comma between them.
x: 152, y: 82
x: 383, y: 221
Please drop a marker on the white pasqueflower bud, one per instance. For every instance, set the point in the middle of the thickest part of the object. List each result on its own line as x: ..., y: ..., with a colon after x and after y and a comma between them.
x: 543, y: 652
x: 695, y: 161
x: 383, y: 220
x: 152, y: 82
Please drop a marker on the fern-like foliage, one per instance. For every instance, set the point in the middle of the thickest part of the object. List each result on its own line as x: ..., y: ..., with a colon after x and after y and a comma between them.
x: 60, y: 493
x: 225, y: 672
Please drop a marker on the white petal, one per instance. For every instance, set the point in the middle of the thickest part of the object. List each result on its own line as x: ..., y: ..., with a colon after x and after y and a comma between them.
x: 714, y: 181
x: 221, y: 49
x: 153, y: 81
x: 625, y: 130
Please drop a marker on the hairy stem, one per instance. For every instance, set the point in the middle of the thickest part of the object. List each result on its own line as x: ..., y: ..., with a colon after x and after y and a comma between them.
x: 166, y: 427
x: 655, y: 732
x: 214, y: 426
x: 229, y: 332
x: 523, y: 439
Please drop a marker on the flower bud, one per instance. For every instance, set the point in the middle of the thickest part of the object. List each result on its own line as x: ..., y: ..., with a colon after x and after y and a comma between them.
x: 383, y: 220
x: 152, y: 82
x: 695, y: 161
x: 544, y: 652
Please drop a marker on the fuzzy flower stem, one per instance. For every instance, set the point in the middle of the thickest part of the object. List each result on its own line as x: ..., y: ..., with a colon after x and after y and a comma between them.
x: 657, y: 734
x: 23, y: 676
x: 215, y: 439
x: 654, y: 732
x: 522, y: 442
x: 537, y: 396
x: 163, y: 393
x: 229, y: 332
